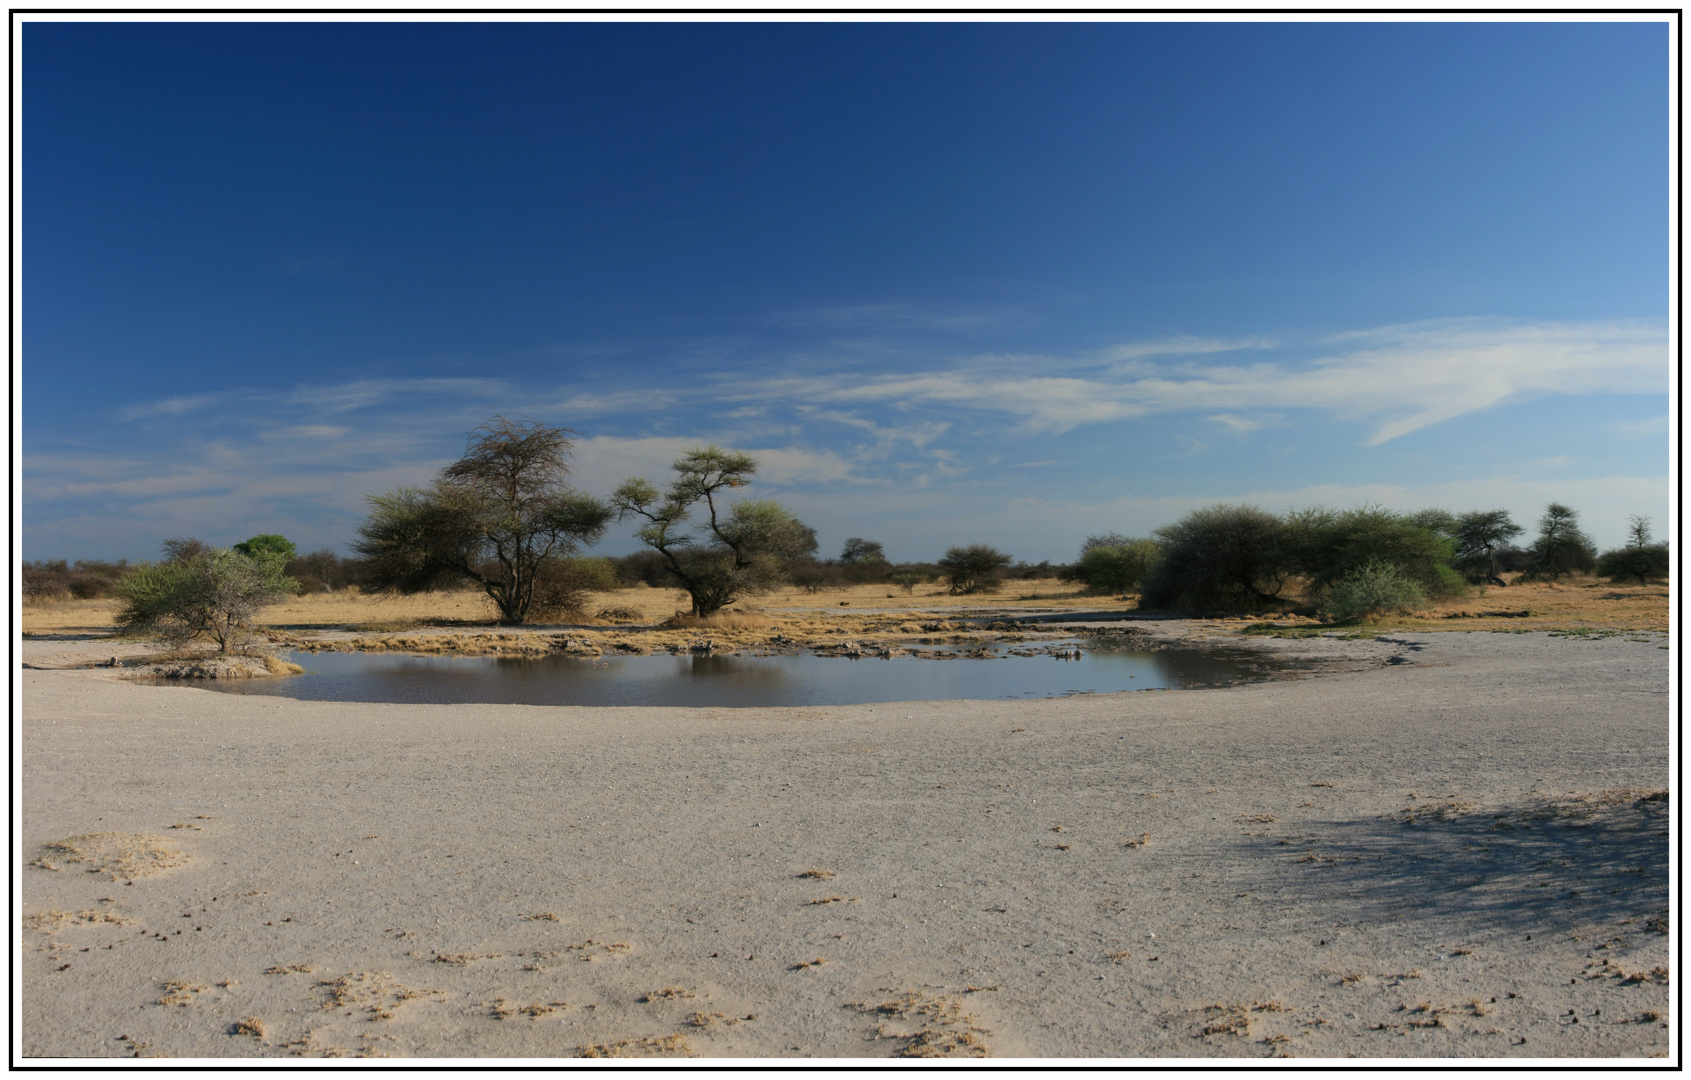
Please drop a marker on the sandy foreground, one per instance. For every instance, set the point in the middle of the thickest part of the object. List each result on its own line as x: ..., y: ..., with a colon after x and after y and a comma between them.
x: 1439, y: 845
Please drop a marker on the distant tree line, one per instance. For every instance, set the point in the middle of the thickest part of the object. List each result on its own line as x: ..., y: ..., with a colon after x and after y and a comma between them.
x: 1350, y: 562
x: 502, y: 520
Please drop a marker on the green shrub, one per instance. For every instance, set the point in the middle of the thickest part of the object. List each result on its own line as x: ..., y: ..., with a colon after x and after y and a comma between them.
x: 1640, y: 564
x: 908, y: 580
x: 561, y: 587
x: 1114, y: 564
x: 268, y: 546
x: 1221, y: 558
x: 213, y: 593
x: 1374, y: 588
x: 1329, y: 547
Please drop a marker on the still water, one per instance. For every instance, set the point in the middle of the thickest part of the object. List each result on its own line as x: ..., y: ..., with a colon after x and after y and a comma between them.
x: 729, y: 681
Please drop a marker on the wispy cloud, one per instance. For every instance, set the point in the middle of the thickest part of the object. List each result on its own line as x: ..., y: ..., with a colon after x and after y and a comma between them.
x: 169, y: 407
x: 365, y: 393
x: 1399, y: 379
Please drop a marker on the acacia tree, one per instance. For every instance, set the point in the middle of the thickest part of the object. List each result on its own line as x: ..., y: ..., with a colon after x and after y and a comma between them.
x: 1479, y: 536
x: 501, y: 516
x: 975, y: 568
x: 1562, y: 547
x: 740, y: 549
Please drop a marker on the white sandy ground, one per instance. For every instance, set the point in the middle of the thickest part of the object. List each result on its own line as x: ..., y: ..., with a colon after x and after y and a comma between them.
x: 391, y: 861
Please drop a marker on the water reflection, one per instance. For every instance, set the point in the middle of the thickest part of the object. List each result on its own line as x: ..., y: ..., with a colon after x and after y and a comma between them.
x: 731, y: 681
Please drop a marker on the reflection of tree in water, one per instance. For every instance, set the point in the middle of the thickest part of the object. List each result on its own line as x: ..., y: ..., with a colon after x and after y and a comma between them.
x: 752, y: 674
x: 1195, y: 667
x: 726, y: 680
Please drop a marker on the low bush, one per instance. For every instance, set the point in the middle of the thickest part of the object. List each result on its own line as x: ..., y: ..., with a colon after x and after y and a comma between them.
x: 1113, y: 564
x: 909, y: 579
x: 87, y: 579
x: 1649, y: 562
x: 813, y: 576
x: 1374, y: 588
x: 213, y: 593
x: 324, y: 571
x: 561, y: 587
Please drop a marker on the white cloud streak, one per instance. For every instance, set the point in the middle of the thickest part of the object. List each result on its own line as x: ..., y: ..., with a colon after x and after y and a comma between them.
x: 1400, y: 379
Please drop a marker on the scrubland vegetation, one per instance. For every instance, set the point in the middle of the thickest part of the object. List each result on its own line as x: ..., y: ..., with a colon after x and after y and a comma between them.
x: 502, y: 522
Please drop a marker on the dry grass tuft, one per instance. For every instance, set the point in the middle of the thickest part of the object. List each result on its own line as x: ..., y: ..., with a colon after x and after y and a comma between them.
x: 180, y: 993
x: 47, y: 920
x: 668, y: 993
x: 819, y: 875
x: 943, y: 1028
x: 461, y: 959
x: 1234, y: 1020
x: 802, y: 964
x: 291, y: 969
x: 541, y: 916
x: 720, y: 620
x: 651, y: 1046
x: 252, y: 1025
x: 117, y: 855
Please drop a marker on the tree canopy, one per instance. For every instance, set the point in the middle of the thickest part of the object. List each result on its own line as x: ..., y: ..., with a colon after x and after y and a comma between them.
x: 739, y: 549
x: 501, y: 516
x: 975, y: 568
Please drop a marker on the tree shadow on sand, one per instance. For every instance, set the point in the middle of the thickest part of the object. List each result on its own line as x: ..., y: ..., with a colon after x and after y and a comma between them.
x: 1600, y: 857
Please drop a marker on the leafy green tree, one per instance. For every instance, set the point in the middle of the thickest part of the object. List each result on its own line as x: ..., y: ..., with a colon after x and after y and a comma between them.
x: 500, y: 516
x: 1640, y: 560
x: 1480, y: 535
x: 1330, y: 546
x: 1561, y: 547
x: 1442, y: 522
x: 975, y: 568
x: 1113, y: 563
x: 213, y: 593
x: 1221, y: 558
x: 858, y: 550
x: 268, y: 546
x: 739, y: 550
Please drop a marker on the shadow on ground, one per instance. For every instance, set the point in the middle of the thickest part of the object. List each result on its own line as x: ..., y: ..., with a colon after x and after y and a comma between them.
x: 1600, y: 857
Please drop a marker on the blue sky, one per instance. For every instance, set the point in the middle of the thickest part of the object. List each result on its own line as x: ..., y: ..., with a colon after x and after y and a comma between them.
x: 1012, y: 284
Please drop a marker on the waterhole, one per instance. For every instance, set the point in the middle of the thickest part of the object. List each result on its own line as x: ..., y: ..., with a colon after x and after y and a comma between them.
x: 731, y: 681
